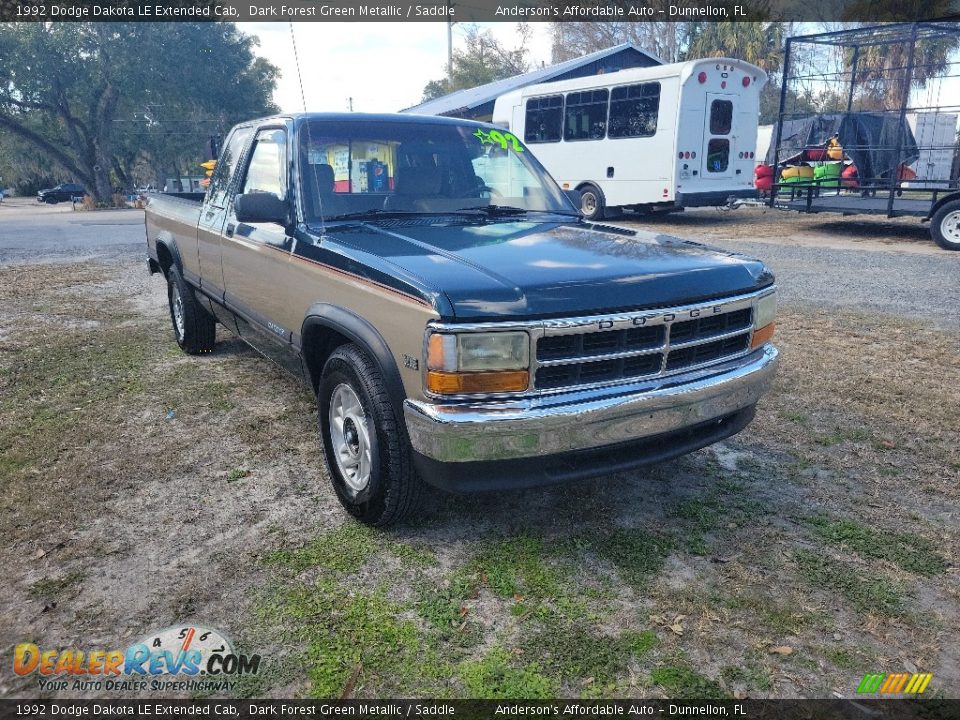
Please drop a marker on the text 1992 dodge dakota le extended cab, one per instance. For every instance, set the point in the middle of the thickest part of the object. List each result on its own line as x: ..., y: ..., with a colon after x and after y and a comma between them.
x: 458, y: 320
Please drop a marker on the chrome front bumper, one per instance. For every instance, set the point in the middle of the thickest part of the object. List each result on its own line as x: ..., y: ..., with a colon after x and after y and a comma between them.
x: 553, y: 424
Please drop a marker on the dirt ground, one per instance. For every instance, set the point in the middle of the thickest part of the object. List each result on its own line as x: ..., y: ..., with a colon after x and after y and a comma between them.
x: 141, y: 488
x: 774, y: 226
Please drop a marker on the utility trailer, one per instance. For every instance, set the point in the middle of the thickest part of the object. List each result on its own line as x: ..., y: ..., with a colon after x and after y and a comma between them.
x: 858, y: 154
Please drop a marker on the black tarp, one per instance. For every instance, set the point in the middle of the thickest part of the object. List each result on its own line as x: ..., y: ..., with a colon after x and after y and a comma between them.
x: 876, y: 142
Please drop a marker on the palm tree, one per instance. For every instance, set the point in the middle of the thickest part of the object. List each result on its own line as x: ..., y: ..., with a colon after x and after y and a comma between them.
x: 759, y: 43
x: 884, y: 76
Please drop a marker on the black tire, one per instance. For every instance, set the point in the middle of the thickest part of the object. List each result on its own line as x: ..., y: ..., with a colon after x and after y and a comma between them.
x: 392, y: 490
x: 50, y: 200
x: 592, y: 202
x: 945, y: 225
x: 196, y: 330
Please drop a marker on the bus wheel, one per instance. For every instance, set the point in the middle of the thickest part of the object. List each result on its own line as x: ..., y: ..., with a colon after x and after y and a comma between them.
x: 945, y: 225
x: 591, y: 202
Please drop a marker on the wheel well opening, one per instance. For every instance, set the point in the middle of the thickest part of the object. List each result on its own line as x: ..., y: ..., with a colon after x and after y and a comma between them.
x: 165, y: 258
x: 941, y: 202
x: 319, y: 342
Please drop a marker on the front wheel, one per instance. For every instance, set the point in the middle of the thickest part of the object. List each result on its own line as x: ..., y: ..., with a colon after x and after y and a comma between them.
x: 364, y: 440
x: 945, y: 226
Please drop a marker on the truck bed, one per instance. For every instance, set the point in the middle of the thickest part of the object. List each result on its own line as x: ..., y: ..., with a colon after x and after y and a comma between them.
x: 173, y: 215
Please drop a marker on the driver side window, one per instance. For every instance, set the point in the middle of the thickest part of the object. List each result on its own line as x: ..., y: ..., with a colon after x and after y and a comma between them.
x: 267, y: 170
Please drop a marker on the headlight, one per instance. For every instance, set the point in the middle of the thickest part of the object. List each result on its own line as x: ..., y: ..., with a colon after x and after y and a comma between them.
x: 764, y: 314
x: 766, y: 310
x: 478, y: 362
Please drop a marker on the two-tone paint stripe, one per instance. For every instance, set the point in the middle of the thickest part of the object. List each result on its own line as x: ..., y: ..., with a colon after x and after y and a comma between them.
x: 346, y: 274
x: 894, y: 683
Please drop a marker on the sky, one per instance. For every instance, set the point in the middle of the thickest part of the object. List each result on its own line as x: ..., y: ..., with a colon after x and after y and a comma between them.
x: 382, y: 66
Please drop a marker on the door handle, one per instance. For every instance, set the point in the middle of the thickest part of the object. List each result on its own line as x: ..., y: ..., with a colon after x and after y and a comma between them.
x: 230, y: 228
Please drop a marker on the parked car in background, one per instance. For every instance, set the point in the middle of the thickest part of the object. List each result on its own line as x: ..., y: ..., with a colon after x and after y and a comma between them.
x: 61, y: 193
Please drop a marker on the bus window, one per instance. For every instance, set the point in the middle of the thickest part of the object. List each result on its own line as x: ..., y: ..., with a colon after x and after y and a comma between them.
x: 585, y: 116
x: 634, y: 110
x: 544, y: 117
x: 721, y: 117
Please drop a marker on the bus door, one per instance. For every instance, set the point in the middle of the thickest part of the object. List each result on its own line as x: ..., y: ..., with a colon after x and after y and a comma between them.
x: 718, y: 138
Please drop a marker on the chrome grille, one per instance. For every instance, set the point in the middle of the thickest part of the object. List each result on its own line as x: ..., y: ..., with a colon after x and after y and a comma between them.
x: 705, y: 327
x: 587, y: 373
x: 591, y: 351
x: 599, y: 343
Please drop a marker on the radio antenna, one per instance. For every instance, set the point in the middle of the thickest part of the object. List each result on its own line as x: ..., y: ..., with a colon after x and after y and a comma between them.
x: 296, y: 59
x: 312, y: 168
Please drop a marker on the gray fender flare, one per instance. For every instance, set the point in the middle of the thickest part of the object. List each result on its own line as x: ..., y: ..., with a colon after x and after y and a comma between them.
x: 360, y: 332
x: 167, y: 240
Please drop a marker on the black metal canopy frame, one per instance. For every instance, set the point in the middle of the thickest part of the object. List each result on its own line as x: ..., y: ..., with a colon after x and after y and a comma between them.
x: 888, y: 96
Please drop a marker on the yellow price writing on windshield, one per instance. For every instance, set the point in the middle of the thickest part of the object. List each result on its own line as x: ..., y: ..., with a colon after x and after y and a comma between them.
x: 503, y: 139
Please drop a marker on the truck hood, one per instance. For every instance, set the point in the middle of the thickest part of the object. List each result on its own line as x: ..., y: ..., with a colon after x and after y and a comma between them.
x: 537, y: 269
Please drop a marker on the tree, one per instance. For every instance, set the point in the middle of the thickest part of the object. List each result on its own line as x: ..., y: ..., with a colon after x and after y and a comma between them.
x: 93, y: 97
x: 884, y: 79
x: 758, y: 43
x: 881, y: 81
x: 23, y: 170
x: 484, y: 60
x: 666, y: 40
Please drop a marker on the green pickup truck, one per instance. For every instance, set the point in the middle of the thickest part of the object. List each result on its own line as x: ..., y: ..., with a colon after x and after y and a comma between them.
x: 461, y: 324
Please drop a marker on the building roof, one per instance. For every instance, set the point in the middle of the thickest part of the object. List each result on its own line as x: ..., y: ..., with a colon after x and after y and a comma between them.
x: 471, y: 98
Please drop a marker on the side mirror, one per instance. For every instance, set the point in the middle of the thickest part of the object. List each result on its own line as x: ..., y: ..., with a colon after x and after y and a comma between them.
x: 262, y: 207
x: 574, y: 197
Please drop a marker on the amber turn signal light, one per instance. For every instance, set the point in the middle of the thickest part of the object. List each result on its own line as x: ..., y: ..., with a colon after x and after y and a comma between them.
x: 435, y: 351
x: 762, y: 335
x: 450, y: 383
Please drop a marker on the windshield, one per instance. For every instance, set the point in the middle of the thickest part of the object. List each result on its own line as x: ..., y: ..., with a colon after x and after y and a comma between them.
x: 370, y: 168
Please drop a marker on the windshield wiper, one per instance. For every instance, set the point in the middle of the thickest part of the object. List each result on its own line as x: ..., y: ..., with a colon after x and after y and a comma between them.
x: 494, y: 210
x: 509, y: 210
x: 372, y: 212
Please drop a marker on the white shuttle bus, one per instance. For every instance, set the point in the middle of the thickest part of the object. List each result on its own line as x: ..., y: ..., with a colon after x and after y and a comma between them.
x: 681, y: 135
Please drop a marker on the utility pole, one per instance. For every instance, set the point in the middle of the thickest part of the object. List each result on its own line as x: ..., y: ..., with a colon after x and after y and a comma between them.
x: 450, y: 25
x: 449, y: 43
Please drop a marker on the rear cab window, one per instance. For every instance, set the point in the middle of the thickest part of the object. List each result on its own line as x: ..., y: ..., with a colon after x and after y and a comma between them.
x: 369, y: 167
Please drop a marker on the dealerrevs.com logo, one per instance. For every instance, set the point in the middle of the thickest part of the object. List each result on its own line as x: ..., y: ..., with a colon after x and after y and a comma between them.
x: 181, y: 658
